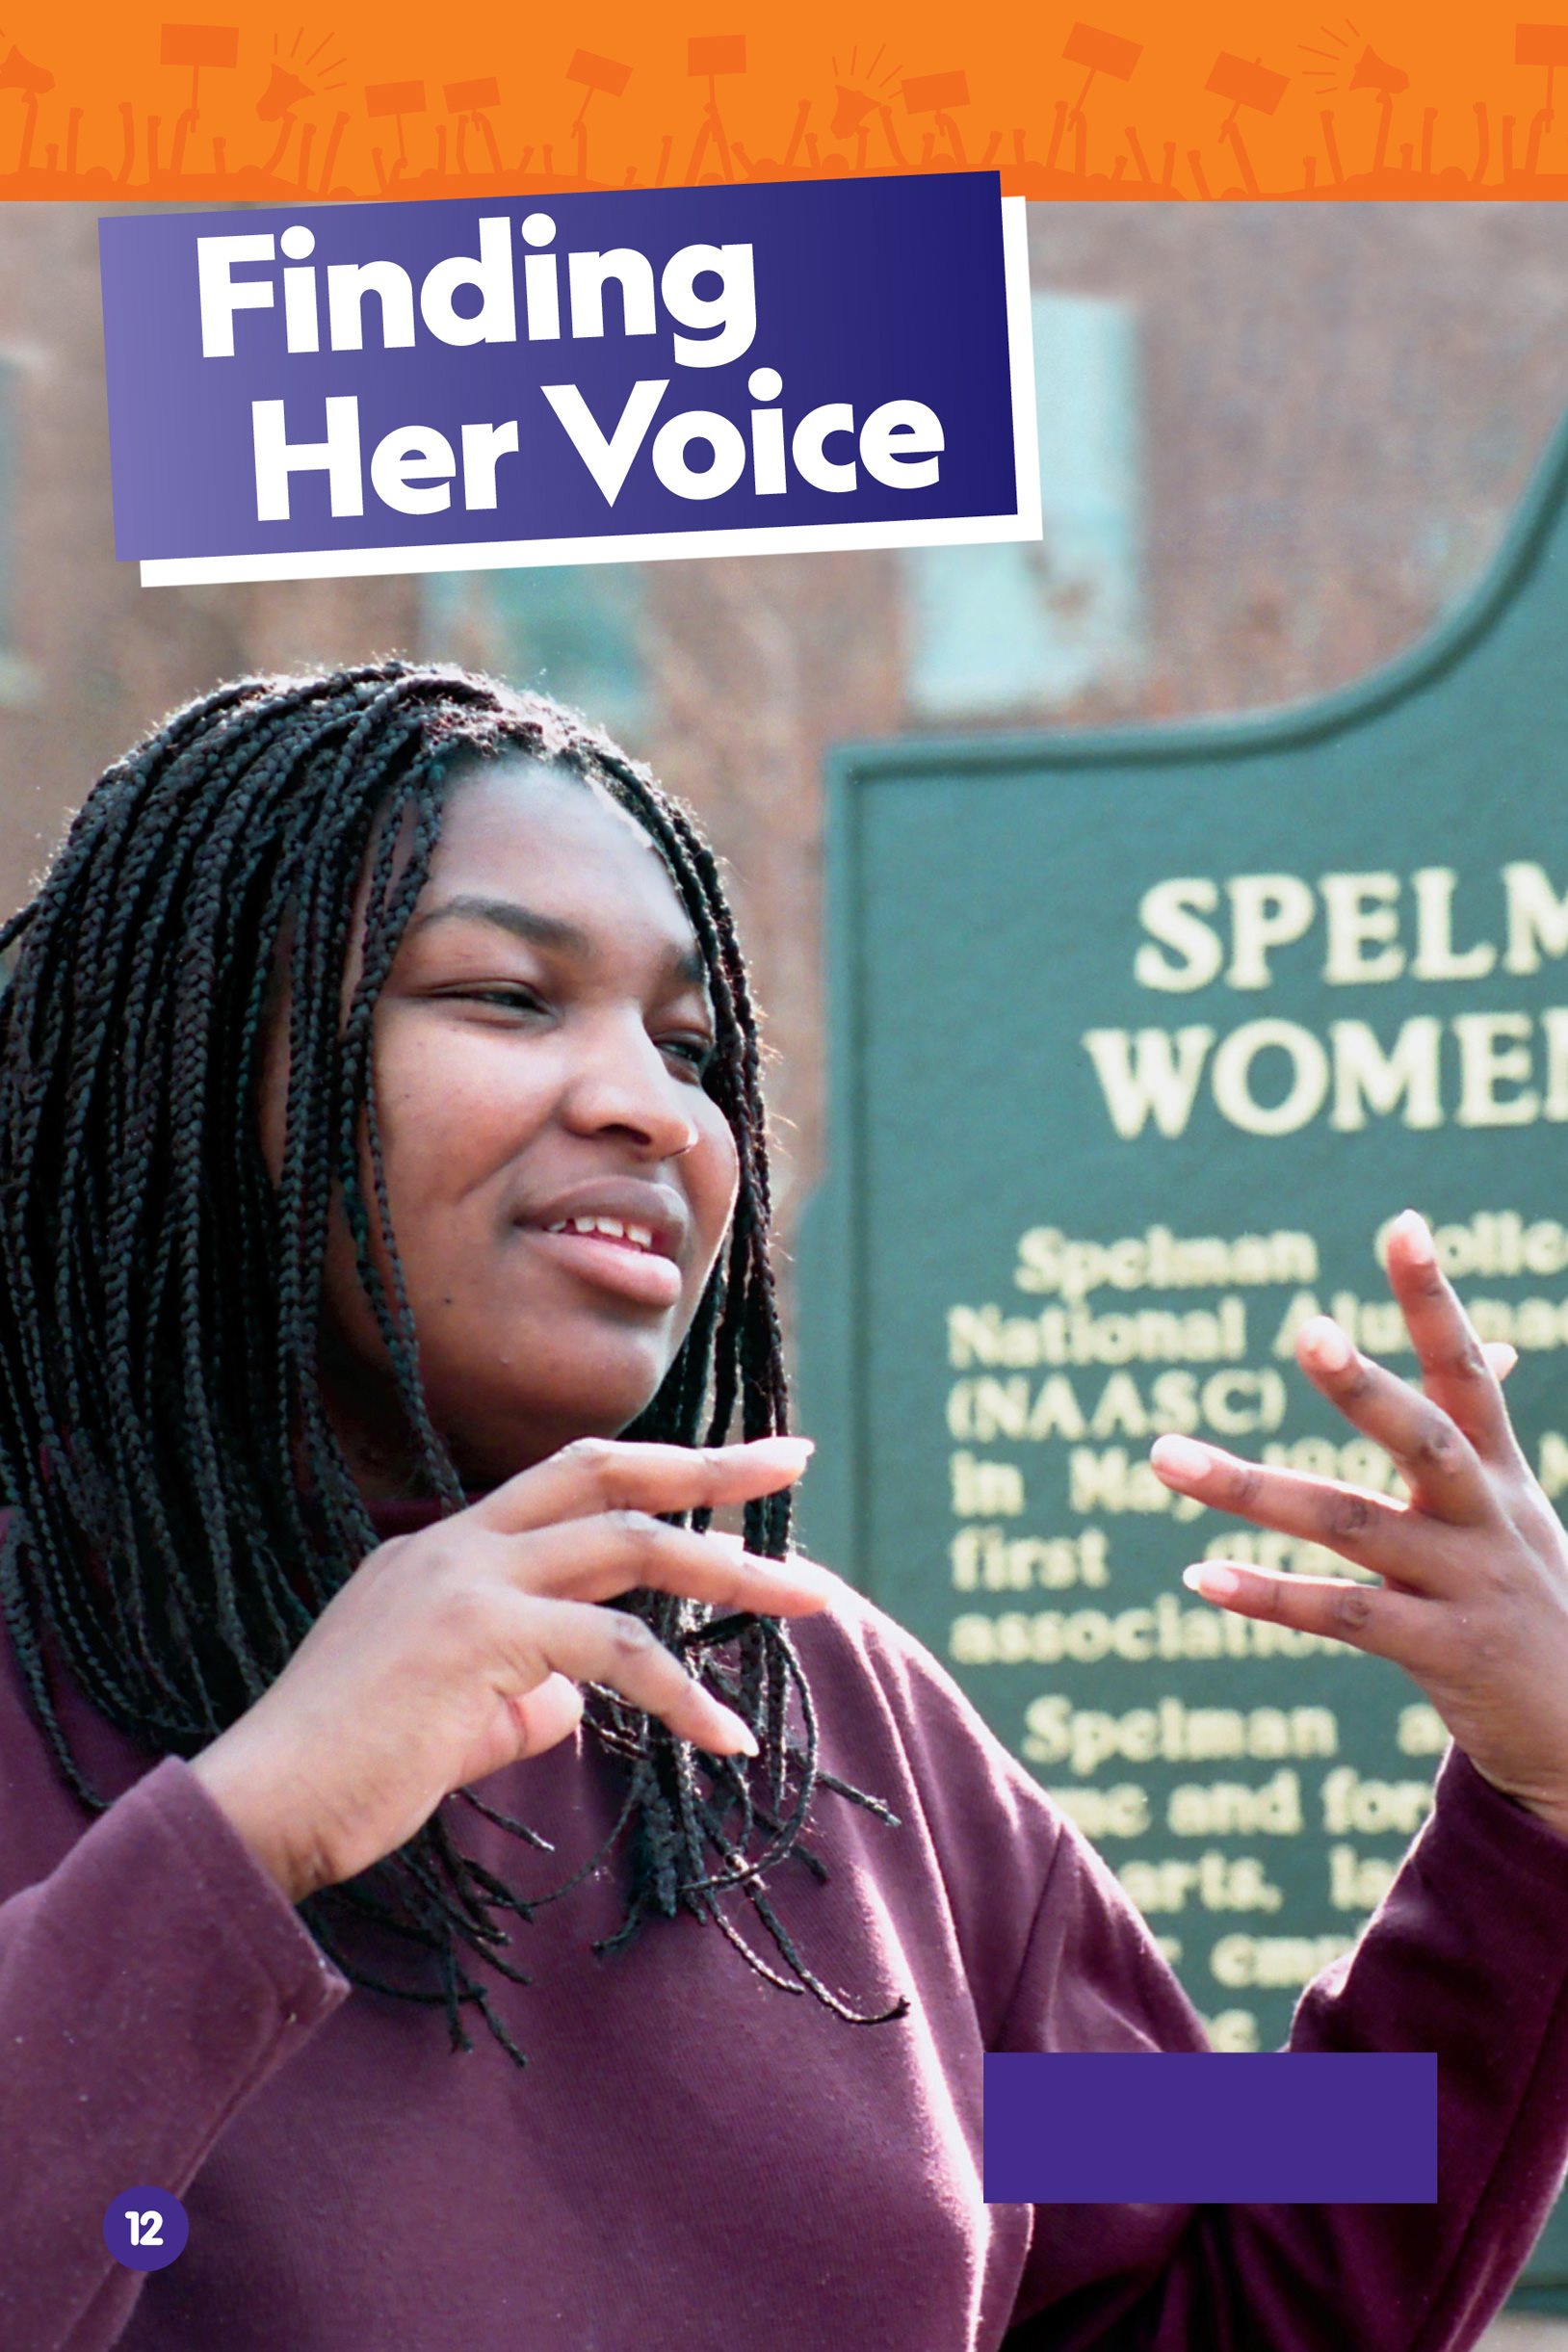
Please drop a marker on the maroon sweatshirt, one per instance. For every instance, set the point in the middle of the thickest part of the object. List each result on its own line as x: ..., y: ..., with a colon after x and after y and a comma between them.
x: 693, y: 2160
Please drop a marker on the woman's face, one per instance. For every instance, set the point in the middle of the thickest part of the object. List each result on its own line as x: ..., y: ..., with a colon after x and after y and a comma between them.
x: 560, y: 1182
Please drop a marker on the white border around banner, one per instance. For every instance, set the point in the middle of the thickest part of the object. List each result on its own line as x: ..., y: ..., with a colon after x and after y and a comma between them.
x: 656, y: 547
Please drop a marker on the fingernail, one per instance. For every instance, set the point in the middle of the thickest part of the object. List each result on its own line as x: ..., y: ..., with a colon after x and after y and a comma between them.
x: 783, y: 1448
x: 1415, y: 1234
x: 1326, y: 1344
x: 1181, y: 1457
x: 1213, y: 1580
x: 740, y: 1735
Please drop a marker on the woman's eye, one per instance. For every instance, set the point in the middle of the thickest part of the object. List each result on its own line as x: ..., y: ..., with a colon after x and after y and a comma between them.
x: 512, y: 999
x: 697, y: 1053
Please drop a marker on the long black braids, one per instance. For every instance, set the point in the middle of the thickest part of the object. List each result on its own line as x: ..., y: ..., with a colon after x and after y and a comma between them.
x: 180, y: 1507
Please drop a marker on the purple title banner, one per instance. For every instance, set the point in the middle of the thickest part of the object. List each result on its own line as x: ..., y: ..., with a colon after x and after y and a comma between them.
x: 1159, y: 2127
x: 585, y: 378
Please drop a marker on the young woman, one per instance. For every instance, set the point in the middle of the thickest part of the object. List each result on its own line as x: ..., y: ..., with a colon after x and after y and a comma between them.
x: 383, y: 1278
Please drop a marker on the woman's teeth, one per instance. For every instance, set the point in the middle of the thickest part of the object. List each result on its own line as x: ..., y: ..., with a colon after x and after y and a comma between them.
x: 640, y: 1237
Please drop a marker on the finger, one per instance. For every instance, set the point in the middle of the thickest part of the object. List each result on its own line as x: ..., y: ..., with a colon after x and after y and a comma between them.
x: 1454, y: 1364
x: 547, y: 1714
x: 605, y: 1474
x: 621, y: 1552
x: 606, y: 1646
x: 1434, y: 1457
x: 1393, y: 1625
x: 1387, y: 1537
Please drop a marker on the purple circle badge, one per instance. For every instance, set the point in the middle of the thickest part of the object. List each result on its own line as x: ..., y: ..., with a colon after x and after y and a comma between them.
x: 146, y: 2228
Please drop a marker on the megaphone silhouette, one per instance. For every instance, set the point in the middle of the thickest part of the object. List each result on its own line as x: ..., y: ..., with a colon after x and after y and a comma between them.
x: 850, y: 111
x: 283, y: 90
x: 19, y: 72
x: 1374, y: 72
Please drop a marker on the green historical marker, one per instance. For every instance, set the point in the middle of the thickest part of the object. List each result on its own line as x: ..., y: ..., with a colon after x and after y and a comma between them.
x: 1138, y: 1041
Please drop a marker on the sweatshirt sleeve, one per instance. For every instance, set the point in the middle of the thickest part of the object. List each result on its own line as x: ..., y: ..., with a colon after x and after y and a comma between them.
x: 147, y: 1987
x: 1467, y: 1956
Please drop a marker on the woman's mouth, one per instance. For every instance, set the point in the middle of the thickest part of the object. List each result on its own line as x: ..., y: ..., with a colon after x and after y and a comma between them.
x: 634, y: 1236
x: 614, y: 1254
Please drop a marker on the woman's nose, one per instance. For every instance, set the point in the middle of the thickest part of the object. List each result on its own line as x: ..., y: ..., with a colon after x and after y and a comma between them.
x: 624, y: 1085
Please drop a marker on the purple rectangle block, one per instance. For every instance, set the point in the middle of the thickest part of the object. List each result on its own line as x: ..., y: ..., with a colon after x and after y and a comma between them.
x: 256, y: 425
x: 1157, y: 2128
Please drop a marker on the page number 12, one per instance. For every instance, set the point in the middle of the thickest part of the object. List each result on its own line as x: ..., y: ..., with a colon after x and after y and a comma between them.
x: 146, y: 2228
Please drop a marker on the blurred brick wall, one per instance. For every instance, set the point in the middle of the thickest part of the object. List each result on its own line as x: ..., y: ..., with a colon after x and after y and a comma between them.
x: 101, y: 658
x: 1341, y: 405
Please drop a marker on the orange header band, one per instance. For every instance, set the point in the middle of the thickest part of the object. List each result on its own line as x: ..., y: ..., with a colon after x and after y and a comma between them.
x: 384, y: 98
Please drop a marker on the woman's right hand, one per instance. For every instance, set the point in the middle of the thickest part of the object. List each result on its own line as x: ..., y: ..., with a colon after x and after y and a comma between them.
x: 459, y: 1649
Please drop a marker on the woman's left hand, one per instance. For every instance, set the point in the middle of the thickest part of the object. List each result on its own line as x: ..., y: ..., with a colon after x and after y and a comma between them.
x: 1474, y: 1599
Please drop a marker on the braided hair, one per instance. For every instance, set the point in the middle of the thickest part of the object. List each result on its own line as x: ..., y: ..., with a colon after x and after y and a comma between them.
x: 181, y: 1508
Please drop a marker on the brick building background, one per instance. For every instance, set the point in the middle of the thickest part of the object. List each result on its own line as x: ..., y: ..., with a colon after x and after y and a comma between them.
x: 1279, y: 442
